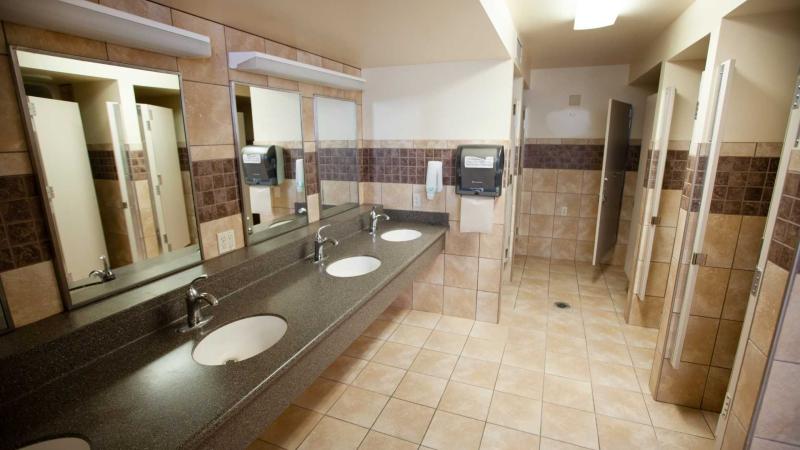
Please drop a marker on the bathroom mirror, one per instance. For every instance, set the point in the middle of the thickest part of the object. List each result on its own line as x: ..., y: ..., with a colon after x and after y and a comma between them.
x: 269, y: 139
x: 109, y: 146
x: 337, y: 154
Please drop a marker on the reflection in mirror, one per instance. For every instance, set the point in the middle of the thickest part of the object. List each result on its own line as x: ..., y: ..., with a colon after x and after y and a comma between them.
x: 112, y: 158
x: 269, y: 136
x: 337, y: 154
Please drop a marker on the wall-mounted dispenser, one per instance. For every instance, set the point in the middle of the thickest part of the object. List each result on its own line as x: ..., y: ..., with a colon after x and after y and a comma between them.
x: 263, y: 166
x: 479, y: 170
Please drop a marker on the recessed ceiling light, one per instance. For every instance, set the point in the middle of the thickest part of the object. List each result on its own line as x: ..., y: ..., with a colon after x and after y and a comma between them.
x: 595, y: 14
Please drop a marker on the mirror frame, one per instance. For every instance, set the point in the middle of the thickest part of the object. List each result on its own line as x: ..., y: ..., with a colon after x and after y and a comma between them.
x: 35, y: 155
x: 338, y: 209
x: 254, y: 237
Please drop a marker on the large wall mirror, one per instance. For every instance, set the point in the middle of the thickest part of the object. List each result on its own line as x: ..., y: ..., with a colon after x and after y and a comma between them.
x: 337, y: 154
x: 111, y: 155
x: 269, y: 137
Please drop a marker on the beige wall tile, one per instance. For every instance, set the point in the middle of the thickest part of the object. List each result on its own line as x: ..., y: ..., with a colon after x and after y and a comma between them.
x: 133, y: 56
x: 12, y: 139
x: 768, y: 307
x: 769, y: 149
x: 239, y: 41
x: 209, y: 230
x: 586, y: 228
x: 544, y: 180
x: 143, y: 8
x: 669, y: 207
x: 663, y: 242
x: 710, y: 291
x: 657, y: 279
x: 284, y: 51
x: 16, y: 163
x: 209, y: 152
x: 684, y: 386
x: 720, y: 245
x: 52, y: 41
x: 716, y: 387
x: 699, y: 342
x: 458, y: 243
x: 281, y: 83
x: 459, y: 302
x: 727, y: 341
x: 207, y: 70
x: 312, y: 202
x: 569, y: 181
x: 589, y: 204
x: 308, y: 121
x: 539, y: 247
x: 437, y: 204
x: 737, y: 149
x: 369, y: 193
x: 737, y: 294
x: 428, y: 297
x: 452, y: 202
x: 543, y: 203
x: 565, y: 227
x: 489, y: 271
x: 28, y: 305
x: 584, y: 251
x: 461, y: 271
x: 748, y: 247
x: 396, y: 195
x: 491, y: 245
x: 788, y: 346
x: 591, y: 182
x: 749, y: 385
x: 309, y: 58
x: 567, y: 205
x: 563, y: 249
x: 541, y: 225
x: 435, y: 273
x: 208, y: 113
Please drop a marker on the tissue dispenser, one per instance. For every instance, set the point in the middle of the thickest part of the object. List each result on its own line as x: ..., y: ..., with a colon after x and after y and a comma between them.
x: 479, y: 170
x: 262, y: 166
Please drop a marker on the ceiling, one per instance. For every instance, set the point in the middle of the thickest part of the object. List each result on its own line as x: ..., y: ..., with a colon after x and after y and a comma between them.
x: 364, y: 33
x: 545, y: 28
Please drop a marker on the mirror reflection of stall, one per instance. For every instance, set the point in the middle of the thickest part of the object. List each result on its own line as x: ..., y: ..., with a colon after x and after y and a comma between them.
x: 337, y: 154
x: 269, y: 137
x: 112, y: 157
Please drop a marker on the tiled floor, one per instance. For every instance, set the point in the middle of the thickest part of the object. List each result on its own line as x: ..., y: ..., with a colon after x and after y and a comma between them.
x: 543, y: 378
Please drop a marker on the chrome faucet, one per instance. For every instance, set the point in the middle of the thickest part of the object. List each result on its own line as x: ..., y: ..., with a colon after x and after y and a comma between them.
x: 319, y: 244
x: 194, y: 303
x: 373, y: 221
x: 106, y: 274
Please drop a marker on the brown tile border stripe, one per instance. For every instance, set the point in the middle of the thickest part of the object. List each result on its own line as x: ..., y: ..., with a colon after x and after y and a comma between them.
x: 215, y: 189
x: 573, y: 156
x: 786, y: 233
x: 404, y: 165
x: 103, y: 165
x: 24, y: 236
x: 312, y: 179
x: 338, y: 164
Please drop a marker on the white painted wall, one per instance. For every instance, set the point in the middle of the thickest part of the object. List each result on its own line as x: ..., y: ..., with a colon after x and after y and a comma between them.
x: 547, y: 101
x: 459, y: 100
x: 276, y: 116
x: 503, y: 23
x: 335, y: 119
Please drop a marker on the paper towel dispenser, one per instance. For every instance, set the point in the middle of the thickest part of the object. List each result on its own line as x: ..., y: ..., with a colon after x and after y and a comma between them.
x: 479, y: 170
x: 262, y: 166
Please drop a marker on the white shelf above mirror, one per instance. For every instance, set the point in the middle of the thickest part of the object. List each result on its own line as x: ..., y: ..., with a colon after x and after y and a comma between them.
x: 264, y: 64
x: 91, y: 20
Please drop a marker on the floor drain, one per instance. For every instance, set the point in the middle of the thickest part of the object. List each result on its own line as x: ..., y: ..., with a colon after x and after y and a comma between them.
x: 562, y: 305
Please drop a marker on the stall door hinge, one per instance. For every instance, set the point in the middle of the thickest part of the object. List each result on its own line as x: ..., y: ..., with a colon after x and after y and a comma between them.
x: 796, y: 98
x: 514, y: 109
x: 698, y: 259
x: 757, y: 276
x: 696, y: 109
x: 655, y: 220
x: 726, y: 405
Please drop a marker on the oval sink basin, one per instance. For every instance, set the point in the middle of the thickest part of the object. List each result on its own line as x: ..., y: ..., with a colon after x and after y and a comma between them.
x: 239, y: 340
x: 353, y: 267
x: 400, y: 235
x: 279, y: 224
x: 65, y: 443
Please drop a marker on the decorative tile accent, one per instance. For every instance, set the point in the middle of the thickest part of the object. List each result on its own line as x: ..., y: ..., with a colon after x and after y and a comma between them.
x: 137, y: 163
x: 744, y: 185
x: 312, y: 179
x: 405, y: 165
x: 338, y: 164
x: 183, y: 159
x: 289, y: 155
x: 215, y: 189
x: 787, y: 225
x: 103, y: 165
x: 573, y: 156
x: 24, y: 239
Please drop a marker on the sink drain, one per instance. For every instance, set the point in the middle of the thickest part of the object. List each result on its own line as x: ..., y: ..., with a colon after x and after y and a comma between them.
x: 562, y: 305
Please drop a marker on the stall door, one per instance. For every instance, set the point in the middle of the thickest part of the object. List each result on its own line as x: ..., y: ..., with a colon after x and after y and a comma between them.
x: 70, y: 186
x: 158, y: 127
x: 612, y: 178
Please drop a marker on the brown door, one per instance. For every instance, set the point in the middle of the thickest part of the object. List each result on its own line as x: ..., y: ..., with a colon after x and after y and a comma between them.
x: 612, y: 179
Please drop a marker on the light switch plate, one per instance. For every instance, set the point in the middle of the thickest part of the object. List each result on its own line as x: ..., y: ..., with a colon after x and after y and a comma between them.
x: 226, y: 241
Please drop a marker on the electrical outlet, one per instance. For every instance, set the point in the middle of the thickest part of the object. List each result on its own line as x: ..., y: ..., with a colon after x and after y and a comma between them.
x: 563, y: 211
x: 416, y: 201
x: 226, y: 241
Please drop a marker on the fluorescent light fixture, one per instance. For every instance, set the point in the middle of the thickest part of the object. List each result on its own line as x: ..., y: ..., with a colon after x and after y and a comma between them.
x: 595, y: 14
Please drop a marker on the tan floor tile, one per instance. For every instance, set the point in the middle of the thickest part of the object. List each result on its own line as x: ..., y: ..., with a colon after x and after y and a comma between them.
x: 321, y: 395
x: 380, y: 441
x: 568, y: 366
x: 552, y: 444
x: 640, y: 336
x: 524, y: 356
x: 569, y: 425
x: 568, y: 345
x: 345, y: 369
x: 394, y: 314
x: 568, y: 392
x: 614, y: 375
x: 422, y: 319
x: 514, y: 380
x: 496, y: 437
x: 642, y: 358
x: 453, y: 432
x: 617, y: 434
x: 404, y: 420
x: 380, y: 329
x: 445, y: 342
x: 291, y: 427
x: 677, y: 418
x: 359, y: 406
x: 476, y: 372
x: 467, y: 400
x: 455, y: 325
x: 673, y: 440
x: 621, y: 403
x: 334, y: 434
x: 607, y: 351
x: 604, y: 332
x: 364, y: 347
x: 643, y: 376
x: 423, y: 389
x: 490, y: 331
x: 434, y: 363
x: 261, y: 445
x: 379, y: 378
x: 484, y: 349
x: 396, y: 355
x: 410, y: 335
x: 515, y: 412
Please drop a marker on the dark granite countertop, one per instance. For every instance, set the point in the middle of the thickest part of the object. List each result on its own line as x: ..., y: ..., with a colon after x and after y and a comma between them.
x: 152, y: 394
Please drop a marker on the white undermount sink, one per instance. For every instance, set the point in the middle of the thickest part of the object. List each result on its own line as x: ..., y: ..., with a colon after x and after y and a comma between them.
x: 65, y: 443
x: 401, y: 235
x: 239, y: 340
x: 353, y: 266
